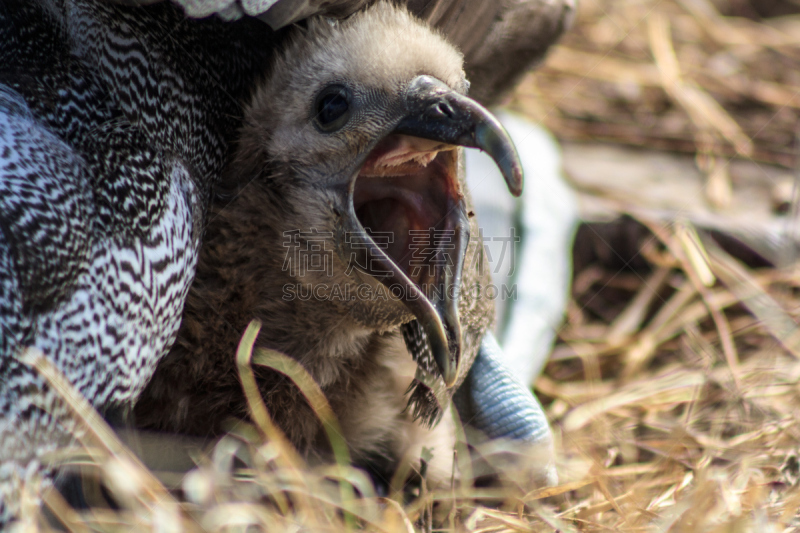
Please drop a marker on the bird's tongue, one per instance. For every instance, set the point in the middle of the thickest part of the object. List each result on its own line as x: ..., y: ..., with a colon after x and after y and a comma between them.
x: 407, y: 197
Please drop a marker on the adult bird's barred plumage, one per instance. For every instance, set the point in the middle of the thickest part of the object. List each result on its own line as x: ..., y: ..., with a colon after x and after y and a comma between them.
x: 110, y: 144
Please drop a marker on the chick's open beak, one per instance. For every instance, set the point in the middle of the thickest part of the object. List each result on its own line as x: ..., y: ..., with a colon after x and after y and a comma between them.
x: 407, y: 216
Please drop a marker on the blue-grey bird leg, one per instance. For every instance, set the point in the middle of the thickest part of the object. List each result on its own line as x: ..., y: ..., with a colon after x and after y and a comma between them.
x: 495, y: 407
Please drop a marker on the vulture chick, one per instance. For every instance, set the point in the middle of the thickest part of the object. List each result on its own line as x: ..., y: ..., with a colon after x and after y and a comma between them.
x: 343, y: 226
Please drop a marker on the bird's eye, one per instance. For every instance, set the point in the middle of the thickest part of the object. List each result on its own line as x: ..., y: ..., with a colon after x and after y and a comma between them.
x: 332, y: 107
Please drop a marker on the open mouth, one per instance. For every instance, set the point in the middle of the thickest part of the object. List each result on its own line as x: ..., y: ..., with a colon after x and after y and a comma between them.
x: 406, y: 223
x: 407, y: 197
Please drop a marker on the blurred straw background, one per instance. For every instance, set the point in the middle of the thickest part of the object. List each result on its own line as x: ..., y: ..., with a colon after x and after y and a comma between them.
x: 674, y: 385
x: 673, y: 389
x: 689, y: 76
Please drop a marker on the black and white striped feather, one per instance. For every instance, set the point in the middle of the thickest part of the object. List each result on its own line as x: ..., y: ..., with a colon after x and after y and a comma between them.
x: 110, y: 144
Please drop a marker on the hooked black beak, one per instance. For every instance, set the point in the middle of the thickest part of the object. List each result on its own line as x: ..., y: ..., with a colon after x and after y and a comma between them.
x: 390, y: 183
x: 438, y: 113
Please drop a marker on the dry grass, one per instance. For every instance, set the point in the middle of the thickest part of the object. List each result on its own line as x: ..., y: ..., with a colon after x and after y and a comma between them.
x: 673, y: 394
x: 674, y: 390
x: 677, y: 75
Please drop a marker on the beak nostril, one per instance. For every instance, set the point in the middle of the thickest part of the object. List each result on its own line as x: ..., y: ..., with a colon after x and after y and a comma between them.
x: 443, y: 109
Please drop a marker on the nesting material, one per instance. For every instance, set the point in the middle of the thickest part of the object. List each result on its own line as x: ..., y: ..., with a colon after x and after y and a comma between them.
x: 673, y: 395
x: 717, y: 78
x: 674, y: 388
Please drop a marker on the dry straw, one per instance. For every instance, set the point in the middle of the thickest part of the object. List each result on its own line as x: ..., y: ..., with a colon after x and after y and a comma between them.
x: 677, y: 75
x: 657, y: 429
